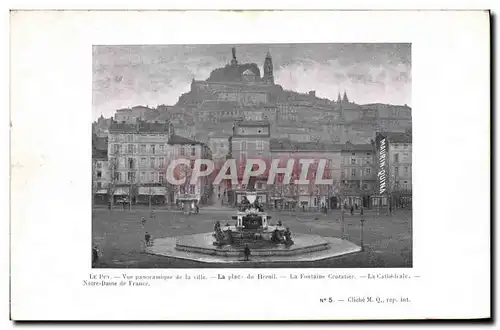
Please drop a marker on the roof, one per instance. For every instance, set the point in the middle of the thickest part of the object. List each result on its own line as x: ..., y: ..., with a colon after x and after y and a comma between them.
x: 384, y: 105
x: 288, y: 145
x: 396, y: 137
x: 177, y: 139
x: 101, y: 143
x: 248, y: 72
x: 218, y: 135
x: 350, y: 106
x: 99, y: 154
x: 357, y: 147
x: 232, y: 73
x: 219, y: 105
x: 141, y: 107
x: 140, y: 127
x: 252, y: 123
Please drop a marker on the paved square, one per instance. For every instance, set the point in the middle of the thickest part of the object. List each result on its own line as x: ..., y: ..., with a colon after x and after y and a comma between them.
x: 120, y: 237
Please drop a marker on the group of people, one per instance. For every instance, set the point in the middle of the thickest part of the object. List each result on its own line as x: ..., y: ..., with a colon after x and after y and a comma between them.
x: 354, y: 207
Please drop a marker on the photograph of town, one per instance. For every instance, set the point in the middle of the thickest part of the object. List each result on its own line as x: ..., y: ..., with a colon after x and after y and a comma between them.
x: 252, y: 156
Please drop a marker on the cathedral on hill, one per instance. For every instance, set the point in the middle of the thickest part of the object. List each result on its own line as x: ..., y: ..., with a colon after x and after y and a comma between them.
x: 234, y: 72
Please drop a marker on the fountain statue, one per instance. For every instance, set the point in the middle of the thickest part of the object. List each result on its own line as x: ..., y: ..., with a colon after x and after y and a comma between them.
x: 252, y: 228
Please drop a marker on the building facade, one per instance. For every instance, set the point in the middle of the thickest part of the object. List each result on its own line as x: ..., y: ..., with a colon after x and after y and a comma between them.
x: 188, y: 193
x: 312, y: 195
x: 358, y: 175
x: 400, y: 168
x: 100, y: 169
x: 250, y: 140
x: 138, y: 156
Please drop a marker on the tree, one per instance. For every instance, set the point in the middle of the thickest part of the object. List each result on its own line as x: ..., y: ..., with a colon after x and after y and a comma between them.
x: 94, y: 183
x: 114, y: 175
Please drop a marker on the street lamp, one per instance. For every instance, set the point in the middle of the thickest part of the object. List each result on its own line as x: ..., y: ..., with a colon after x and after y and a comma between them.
x: 362, y: 234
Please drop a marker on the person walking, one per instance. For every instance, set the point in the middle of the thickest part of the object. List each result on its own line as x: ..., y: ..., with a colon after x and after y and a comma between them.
x: 246, y: 252
x: 352, y: 210
x: 95, y: 255
x: 147, y: 238
x: 143, y: 222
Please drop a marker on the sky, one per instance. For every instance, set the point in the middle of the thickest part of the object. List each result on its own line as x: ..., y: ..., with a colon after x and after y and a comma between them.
x: 126, y: 76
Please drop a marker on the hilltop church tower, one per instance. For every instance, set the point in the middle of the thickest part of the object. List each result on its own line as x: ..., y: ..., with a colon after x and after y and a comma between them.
x: 268, y: 70
x: 234, y: 62
x: 345, y: 99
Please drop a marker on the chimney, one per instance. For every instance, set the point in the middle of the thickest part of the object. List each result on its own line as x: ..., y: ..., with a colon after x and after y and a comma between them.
x: 312, y: 93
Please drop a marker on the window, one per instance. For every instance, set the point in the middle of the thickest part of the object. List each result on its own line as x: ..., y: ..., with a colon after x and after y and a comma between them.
x: 368, y: 171
x: 368, y: 153
x: 116, y: 176
x: 192, y: 188
x: 396, y: 158
x: 131, y: 163
x: 99, y: 165
x: 162, y: 177
x: 365, y: 186
x: 162, y: 162
x: 182, y: 151
x: 354, y: 154
x: 243, y: 145
x: 143, y: 176
x: 353, y: 161
x: 243, y: 156
x: 406, y: 170
x: 396, y: 170
x: 152, y: 162
x: 131, y: 176
x: 99, y: 185
x: 353, y: 172
x: 143, y: 148
x: 182, y: 190
x: 260, y: 145
x: 193, y: 151
x: 116, y: 148
x: 130, y: 148
x: 143, y: 161
x: 153, y: 148
x: 162, y: 148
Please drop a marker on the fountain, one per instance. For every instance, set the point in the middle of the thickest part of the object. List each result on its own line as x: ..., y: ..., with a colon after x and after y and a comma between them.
x: 251, y: 233
x: 252, y: 228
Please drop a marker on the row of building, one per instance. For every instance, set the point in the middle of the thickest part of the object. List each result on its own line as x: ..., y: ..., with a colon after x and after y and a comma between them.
x: 132, y: 161
x: 237, y: 113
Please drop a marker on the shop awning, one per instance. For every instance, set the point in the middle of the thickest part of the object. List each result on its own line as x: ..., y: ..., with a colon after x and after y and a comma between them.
x: 187, y: 197
x: 102, y: 192
x: 153, y: 191
x: 121, y: 191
